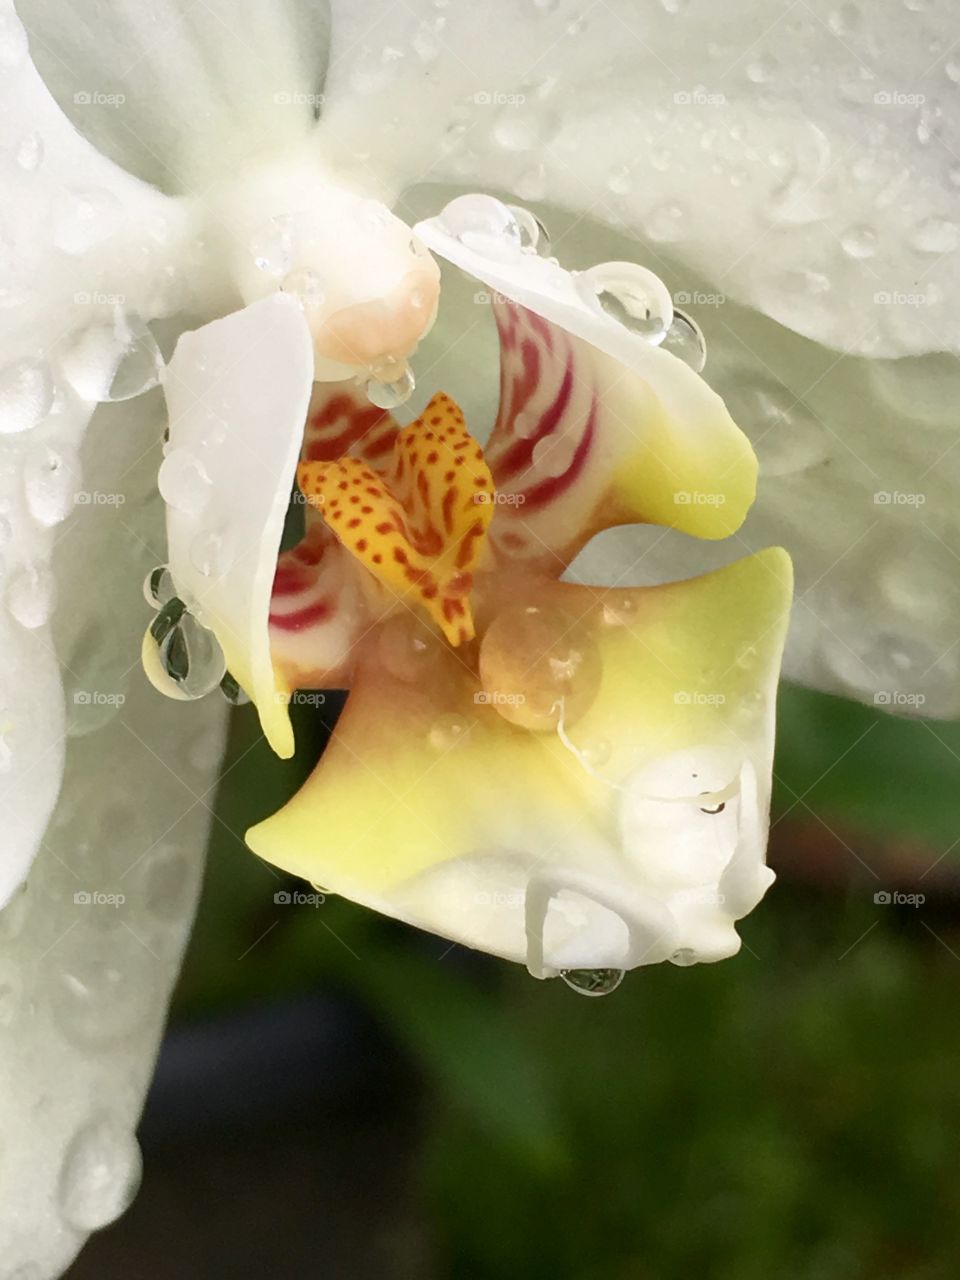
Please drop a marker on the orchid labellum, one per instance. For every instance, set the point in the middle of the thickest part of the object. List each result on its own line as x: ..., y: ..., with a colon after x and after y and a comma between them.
x: 528, y: 566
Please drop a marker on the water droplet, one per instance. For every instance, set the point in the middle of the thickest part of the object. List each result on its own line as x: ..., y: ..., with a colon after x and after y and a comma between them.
x: 685, y: 340
x: 87, y: 219
x: 408, y: 648
x: 761, y: 70
x: 664, y: 224
x: 141, y: 362
x: 183, y: 481
x: 484, y: 224
x: 936, y: 235
x: 30, y: 153
x: 272, y: 247
x: 673, y: 7
x: 684, y: 957
x: 952, y: 69
x: 391, y: 385
x: 447, y: 732
x: 859, y: 241
x: 534, y: 237
x: 30, y: 596
x: 592, y: 982
x: 635, y: 297
x: 306, y: 286
x: 100, y: 1175
x: 232, y: 691
x: 166, y: 881
x: 182, y: 658
x: 538, y: 666
x: 158, y: 588
x: 517, y: 130
x: 596, y: 752
x: 101, y: 993
x: 51, y: 480
x: 26, y: 395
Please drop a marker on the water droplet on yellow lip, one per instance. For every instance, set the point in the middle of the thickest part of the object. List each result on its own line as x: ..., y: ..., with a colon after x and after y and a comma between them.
x: 538, y: 665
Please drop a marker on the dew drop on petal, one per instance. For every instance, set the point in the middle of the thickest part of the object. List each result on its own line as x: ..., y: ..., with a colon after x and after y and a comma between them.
x: 592, y: 982
x: 632, y: 295
x: 26, y: 395
x: 231, y: 690
x: 391, y: 385
x: 306, y: 286
x: 272, y: 247
x: 30, y: 153
x: 684, y: 957
x: 30, y: 596
x: 158, y: 588
x: 183, y: 481
x: 140, y: 364
x: 181, y: 657
x: 538, y: 666
x: 86, y: 219
x: 447, y: 732
x: 534, y: 237
x: 859, y: 242
x: 100, y: 1175
x: 207, y: 553
x: 936, y: 235
x: 51, y: 480
x: 685, y: 340
x: 483, y: 223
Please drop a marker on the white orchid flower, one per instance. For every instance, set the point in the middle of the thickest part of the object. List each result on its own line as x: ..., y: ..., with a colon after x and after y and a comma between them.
x: 571, y: 775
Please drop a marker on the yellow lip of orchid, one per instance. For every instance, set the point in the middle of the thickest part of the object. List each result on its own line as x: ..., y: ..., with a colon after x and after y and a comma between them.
x: 586, y: 784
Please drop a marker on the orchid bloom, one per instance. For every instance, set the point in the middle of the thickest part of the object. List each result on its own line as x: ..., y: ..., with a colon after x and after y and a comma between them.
x: 568, y: 774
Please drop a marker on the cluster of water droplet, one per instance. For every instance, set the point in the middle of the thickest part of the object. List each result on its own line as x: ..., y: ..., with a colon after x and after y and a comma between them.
x: 630, y: 294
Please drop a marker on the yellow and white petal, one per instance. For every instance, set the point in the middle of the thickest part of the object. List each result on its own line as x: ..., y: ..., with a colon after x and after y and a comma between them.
x: 632, y: 832
x: 597, y: 425
x: 237, y: 392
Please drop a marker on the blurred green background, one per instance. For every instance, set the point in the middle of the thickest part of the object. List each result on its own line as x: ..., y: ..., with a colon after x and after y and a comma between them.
x: 790, y: 1113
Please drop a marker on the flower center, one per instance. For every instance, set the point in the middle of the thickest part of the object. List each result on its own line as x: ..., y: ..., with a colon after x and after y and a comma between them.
x: 417, y: 522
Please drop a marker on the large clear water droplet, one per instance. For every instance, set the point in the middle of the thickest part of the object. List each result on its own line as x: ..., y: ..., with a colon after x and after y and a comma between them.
x: 685, y: 340
x: 100, y: 1175
x: 592, y: 982
x: 26, y: 395
x: 140, y: 364
x: 390, y: 385
x: 182, y: 658
x: 634, y: 296
x: 534, y: 237
x: 484, y: 224
x: 30, y: 596
x: 113, y: 361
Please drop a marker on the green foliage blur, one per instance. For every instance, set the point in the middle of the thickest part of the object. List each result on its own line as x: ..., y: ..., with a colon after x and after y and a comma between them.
x: 791, y: 1113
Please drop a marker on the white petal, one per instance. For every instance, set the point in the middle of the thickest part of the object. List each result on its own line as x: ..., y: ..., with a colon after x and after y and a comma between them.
x: 176, y: 91
x: 84, y: 984
x: 806, y: 169
x: 237, y: 392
